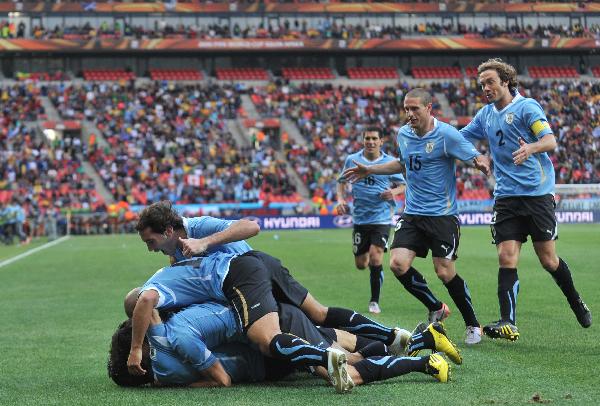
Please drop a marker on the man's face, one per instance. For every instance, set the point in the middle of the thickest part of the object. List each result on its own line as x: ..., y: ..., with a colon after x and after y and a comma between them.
x: 372, y: 142
x: 493, y: 88
x: 165, y: 243
x: 417, y: 113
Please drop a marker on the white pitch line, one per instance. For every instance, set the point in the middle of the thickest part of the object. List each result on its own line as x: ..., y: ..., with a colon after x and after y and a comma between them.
x: 33, y: 251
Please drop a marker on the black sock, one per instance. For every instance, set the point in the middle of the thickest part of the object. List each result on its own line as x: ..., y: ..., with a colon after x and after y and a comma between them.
x: 362, y: 342
x: 508, y: 290
x: 381, y: 368
x: 297, y: 351
x: 376, y: 278
x: 373, y: 349
x: 356, y: 323
x: 562, y: 277
x: 421, y: 341
x: 416, y: 285
x: 459, y: 292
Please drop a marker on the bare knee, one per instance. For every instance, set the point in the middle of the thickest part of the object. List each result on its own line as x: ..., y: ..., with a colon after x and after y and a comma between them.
x: 445, y: 270
x: 399, y: 266
x: 549, y: 262
x: 361, y: 263
x: 508, y: 254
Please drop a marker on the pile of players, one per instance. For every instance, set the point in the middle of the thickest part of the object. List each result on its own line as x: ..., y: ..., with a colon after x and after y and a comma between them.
x: 232, y: 294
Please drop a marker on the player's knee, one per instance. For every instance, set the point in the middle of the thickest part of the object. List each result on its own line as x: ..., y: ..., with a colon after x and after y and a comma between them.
x: 508, y: 259
x: 361, y: 263
x: 549, y: 262
x: 399, y: 267
x: 445, y: 274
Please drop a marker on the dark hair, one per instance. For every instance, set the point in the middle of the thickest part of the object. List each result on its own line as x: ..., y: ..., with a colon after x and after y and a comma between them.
x: 158, y: 216
x: 420, y: 93
x: 373, y: 129
x: 118, y: 354
x: 507, y: 73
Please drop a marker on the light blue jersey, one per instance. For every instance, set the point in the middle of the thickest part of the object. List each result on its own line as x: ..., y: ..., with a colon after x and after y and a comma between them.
x: 193, y: 339
x: 193, y: 281
x: 522, y: 118
x: 200, y: 227
x: 431, y: 168
x: 369, y: 207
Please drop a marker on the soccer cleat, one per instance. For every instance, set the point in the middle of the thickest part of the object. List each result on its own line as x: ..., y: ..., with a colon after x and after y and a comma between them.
x: 438, y: 367
x: 443, y: 344
x: 582, y: 312
x: 336, y: 369
x: 502, y: 329
x: 421, y: 327
x: 401, y: 338
x: 473, y: 335
x: 374, y: 308
x: 439, y: 315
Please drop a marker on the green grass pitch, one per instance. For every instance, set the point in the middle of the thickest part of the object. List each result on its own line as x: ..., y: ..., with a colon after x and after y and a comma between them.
x: 61, y: 305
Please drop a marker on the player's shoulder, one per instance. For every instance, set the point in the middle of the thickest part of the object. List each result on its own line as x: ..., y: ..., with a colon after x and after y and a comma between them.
x: 528, y: 103
x: 355, y: 155
x: 446, y: 129
x: 405, y: 131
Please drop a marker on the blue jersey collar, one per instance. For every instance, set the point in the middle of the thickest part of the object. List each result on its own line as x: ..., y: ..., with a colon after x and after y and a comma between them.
x: 513, y: 101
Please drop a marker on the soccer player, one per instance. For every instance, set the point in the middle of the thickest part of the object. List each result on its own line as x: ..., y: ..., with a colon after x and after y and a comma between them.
x: 519, y: 138
x: 164, y: 230
x: 372, y: 212
x: 245, y: 283
x: 200, y: 346
x: 428, y: 149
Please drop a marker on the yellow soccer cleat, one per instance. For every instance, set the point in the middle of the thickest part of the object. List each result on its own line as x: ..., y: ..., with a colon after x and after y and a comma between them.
x: 438, y: 367
x: 443, y: 344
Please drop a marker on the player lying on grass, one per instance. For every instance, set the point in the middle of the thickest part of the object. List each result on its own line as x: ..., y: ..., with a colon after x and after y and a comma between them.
x: 202, y: 346
x: 164, y: 230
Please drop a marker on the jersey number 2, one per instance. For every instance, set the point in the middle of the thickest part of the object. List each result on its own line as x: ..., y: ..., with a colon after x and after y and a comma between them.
x: 501, y: 141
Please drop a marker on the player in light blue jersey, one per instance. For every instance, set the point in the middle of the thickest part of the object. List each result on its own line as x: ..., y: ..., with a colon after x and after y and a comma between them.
x: 428, y: 149
x: 163, y: 229
x: 519, y: 138
x: 247, y: 285
x: 372, y: 210
x: 201, y: 346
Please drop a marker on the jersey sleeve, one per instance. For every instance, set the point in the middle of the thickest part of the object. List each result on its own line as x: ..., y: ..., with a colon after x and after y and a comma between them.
x: 535, y: 119
x: 474, y: 131
x: 347, y: 164
x: 208, y: 226
x: 166, y: 297
x: 457, y: 146
x: 193, y: 350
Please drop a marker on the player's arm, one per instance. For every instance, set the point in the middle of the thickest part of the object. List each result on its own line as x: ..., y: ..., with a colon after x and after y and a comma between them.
x: 536, y: 120
x: 236, y: 231
x: 214, y: 376
x: 458, y: 147
x: 342, y: 205
x: 361, y: 171
x: 142, y: 314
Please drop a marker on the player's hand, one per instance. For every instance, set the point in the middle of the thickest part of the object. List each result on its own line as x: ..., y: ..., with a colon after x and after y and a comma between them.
x: 134, y: 362
x: 524, y: 152
x: 482, y: 163
x: 342, y: 208
x: 356, y: 173
x: 387, y: 195
x: 193, y: 246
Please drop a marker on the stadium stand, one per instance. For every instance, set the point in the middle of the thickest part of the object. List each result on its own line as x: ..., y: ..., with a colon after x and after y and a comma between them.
x: 175, y: 74
x: 242, y: 74
x: 373, y: 73
x: 307, y: 73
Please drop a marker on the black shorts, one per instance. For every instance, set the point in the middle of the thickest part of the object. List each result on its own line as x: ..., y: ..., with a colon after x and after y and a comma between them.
x: 365, y: 235
x: 517, y: 217
x: 255, y: 283
x: 440, y: 234
x: 292, y: 320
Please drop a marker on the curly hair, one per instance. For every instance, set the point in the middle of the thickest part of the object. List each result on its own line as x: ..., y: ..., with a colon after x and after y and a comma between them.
x: 506, y: 72
x: 118, y: 354
x: 158, y: 216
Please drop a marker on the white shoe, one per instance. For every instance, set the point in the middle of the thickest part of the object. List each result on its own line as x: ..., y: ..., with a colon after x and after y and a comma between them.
x: 336, y: 369
x: 374, y: 308
x: 473, y: 335
x: 398, y: 347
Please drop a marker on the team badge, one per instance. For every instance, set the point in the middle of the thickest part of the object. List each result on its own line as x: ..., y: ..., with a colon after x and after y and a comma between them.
x: 429, y: 147
x: 509, y: 118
